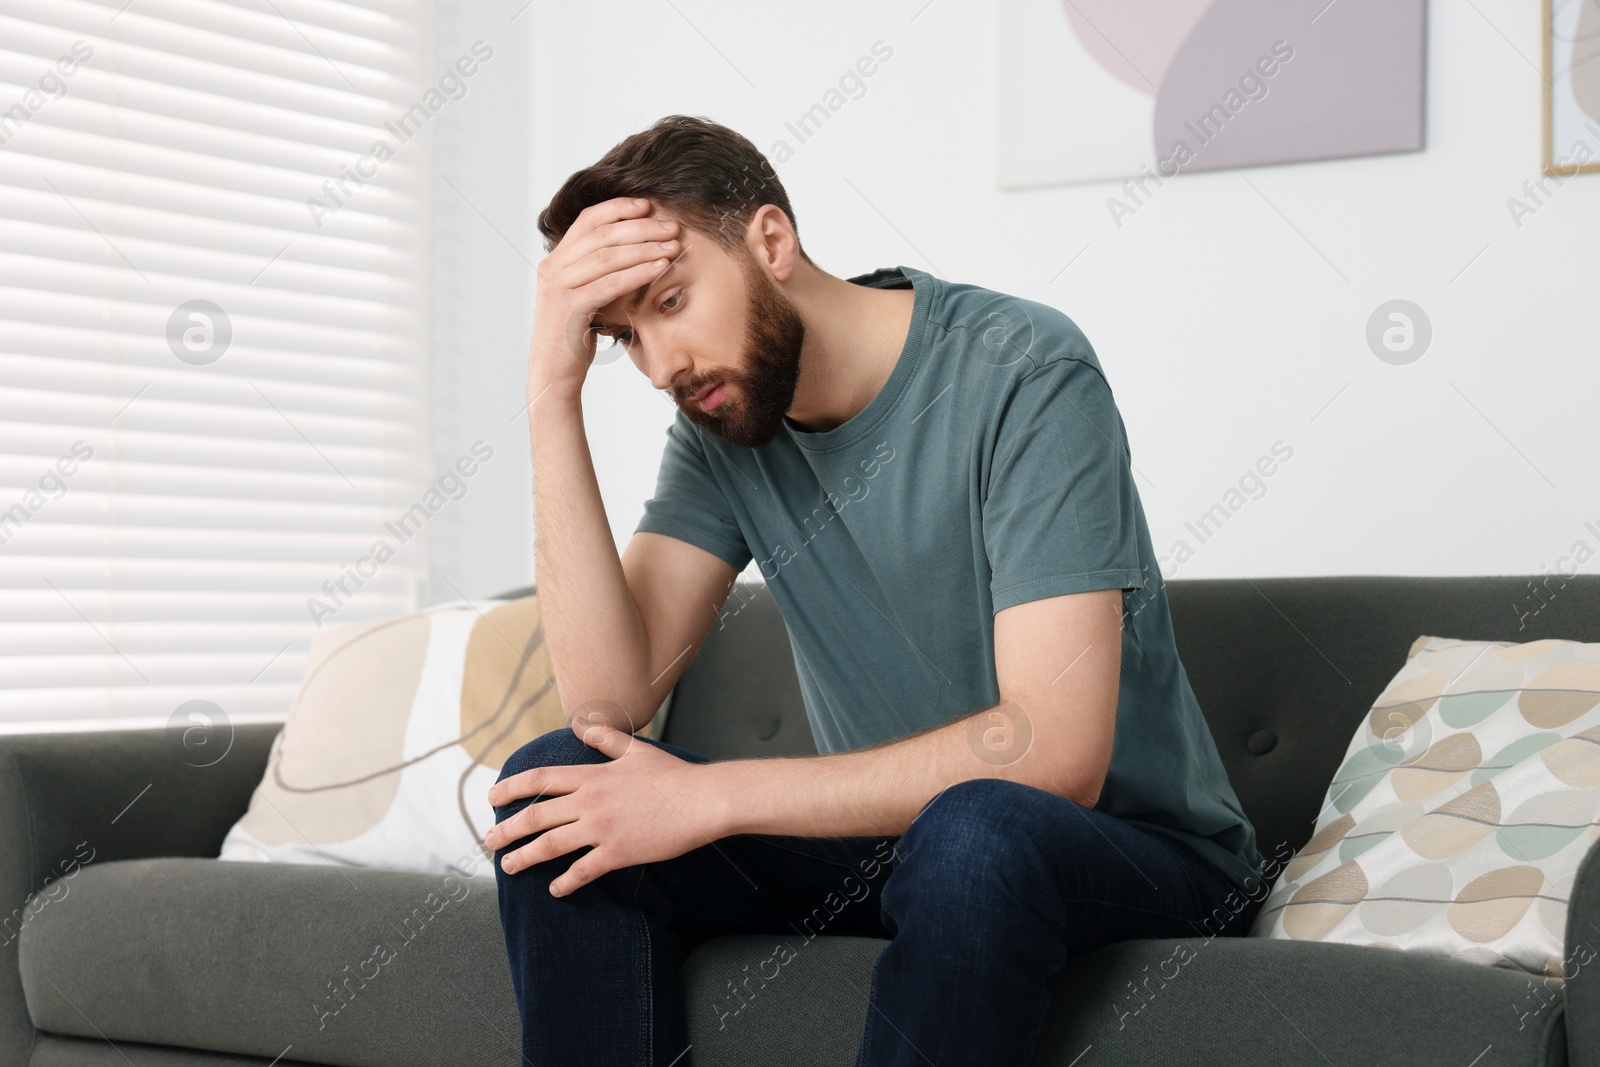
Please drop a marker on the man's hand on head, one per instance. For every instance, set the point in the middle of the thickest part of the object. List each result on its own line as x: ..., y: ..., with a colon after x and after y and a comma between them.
x: 612, y: 249
x: 643, y: 806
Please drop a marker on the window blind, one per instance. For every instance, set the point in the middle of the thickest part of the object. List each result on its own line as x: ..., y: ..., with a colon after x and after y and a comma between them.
x: 212, y: 301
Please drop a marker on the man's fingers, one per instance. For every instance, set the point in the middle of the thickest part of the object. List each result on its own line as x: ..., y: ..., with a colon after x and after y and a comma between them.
x: 606, y: 211
x: 577, y: 249
x: 547, y: 846
x: 597, y: 226
x: 577, y: 333
x: 530, y: 820
x: 602, y: 737
x: 613, y: 271
x: 583, y: 871
x: 537, y: 781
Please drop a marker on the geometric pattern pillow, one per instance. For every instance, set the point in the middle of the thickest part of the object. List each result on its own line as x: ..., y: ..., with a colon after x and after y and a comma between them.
x: 1464, y: 805
x: 399, y: 728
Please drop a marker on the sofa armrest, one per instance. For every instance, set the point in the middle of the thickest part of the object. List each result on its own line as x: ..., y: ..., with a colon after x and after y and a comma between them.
x: 72, y: 799
x: 1581, y: 965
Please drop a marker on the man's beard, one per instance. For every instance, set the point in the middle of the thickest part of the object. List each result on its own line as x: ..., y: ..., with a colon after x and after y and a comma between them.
x: 765, y: 386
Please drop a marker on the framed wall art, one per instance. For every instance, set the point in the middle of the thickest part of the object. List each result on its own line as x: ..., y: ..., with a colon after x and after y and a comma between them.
x: 1571, y: 87
x: 1092, y: 90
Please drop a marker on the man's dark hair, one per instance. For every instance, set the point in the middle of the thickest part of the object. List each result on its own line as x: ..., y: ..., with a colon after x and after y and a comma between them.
x: 707, y: 175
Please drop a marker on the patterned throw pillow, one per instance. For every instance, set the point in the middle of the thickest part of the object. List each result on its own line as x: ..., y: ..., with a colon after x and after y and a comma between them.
x: 395, y: 736
x: 1465, y: 803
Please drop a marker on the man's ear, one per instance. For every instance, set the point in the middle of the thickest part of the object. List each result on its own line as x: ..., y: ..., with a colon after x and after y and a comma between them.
x: 772, y: 242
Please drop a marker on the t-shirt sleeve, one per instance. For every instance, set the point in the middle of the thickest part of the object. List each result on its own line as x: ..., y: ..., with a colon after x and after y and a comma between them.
x: 1060, y: 514
x: 689, y: 504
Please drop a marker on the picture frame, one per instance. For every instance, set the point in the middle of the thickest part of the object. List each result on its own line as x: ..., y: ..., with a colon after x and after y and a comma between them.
x: 1102, y: 90
x: 1571, y: 143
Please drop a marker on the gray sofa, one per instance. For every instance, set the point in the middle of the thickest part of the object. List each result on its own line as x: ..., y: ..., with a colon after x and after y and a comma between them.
x: 155, y: 953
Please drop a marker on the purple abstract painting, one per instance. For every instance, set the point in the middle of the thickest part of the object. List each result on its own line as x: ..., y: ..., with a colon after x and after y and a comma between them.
x: 1094, y: 89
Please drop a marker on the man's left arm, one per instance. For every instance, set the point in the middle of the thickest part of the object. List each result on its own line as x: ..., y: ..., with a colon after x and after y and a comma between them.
x: 1058, y: 664
x: 1057, y: 660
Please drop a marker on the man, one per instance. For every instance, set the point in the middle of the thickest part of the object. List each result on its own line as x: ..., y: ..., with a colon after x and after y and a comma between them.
x: 936, y: 484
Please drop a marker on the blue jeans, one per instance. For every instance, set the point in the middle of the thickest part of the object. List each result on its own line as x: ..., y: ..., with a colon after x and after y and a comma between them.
x: 989, y: 892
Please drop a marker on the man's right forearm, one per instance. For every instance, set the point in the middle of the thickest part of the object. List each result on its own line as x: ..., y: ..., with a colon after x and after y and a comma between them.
x: 596, y: 635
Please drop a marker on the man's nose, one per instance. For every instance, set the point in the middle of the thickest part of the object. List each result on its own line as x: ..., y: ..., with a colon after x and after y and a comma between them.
x: 666, y: 367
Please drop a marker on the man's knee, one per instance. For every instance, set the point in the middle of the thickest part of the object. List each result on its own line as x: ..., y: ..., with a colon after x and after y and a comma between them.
x: 981, y: 812
x: 558, y: 748
x: 982, y: 830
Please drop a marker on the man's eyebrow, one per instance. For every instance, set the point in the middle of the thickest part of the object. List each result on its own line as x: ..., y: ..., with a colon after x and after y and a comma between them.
x: 644, y: 290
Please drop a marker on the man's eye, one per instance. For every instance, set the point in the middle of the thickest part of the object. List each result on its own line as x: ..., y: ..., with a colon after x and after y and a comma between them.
x: 672, y: 301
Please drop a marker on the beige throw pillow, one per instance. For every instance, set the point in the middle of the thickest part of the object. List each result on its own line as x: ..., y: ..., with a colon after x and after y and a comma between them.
x: 1464, y: 805
x: 398, y: 730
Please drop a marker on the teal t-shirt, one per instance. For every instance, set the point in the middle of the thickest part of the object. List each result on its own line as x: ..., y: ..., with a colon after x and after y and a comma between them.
x: 991, y: 469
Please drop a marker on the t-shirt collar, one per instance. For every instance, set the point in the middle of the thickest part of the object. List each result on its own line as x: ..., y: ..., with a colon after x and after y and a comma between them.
x: 905, y: 368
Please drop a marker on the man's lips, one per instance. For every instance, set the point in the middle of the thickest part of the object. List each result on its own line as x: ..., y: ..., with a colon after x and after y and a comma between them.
x: 711, y: 396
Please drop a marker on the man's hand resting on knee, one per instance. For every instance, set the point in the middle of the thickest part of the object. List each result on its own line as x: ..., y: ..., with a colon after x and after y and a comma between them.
x: 643, y: 806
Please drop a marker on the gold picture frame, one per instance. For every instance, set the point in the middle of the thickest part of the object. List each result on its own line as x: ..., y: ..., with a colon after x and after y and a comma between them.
x: 1551, y: 166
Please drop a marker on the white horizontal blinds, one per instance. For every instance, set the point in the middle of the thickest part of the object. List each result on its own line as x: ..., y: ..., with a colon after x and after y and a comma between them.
x: 178, y: 480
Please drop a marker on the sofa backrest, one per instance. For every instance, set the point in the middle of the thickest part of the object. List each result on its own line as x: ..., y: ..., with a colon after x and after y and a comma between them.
x: 1284, y: 669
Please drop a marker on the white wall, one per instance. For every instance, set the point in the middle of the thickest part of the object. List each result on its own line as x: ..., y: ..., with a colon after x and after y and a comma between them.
x: 482, y: 301
x: 1223, y: 325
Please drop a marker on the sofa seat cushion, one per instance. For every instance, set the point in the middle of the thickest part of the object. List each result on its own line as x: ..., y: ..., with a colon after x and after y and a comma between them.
x: 356, y: 966
x: 1221, y: 1001
x: 273, y: 959
x: 53, y: 1051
